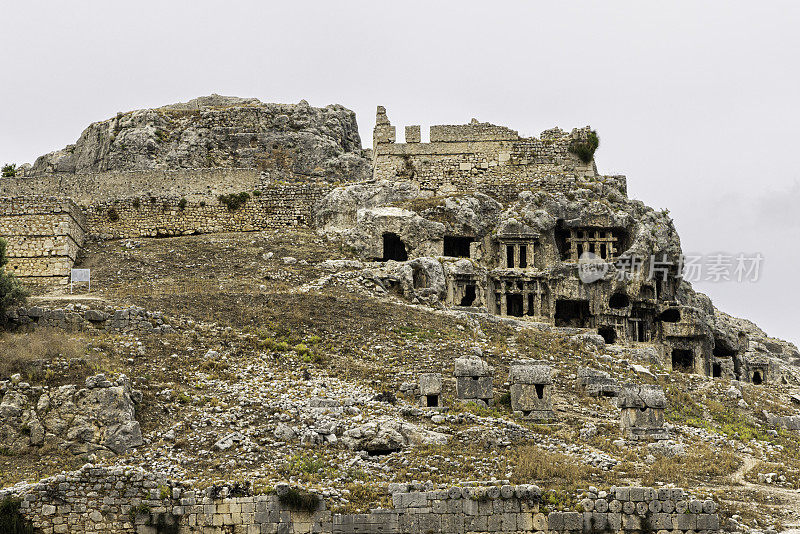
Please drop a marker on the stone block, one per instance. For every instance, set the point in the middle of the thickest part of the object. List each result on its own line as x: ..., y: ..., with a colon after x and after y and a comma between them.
x: 474, y: 388
x: 707, y: 522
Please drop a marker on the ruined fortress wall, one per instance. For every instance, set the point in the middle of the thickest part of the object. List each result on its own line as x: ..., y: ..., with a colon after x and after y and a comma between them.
x: 44, y: 236
x: 87, y: 189
x: 117, y: 500
x: 467, y: 157
x: 277, y: 205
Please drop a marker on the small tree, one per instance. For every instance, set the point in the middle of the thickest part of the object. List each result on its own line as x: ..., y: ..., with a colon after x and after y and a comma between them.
x: 9, y: 170
x: 11, y: 292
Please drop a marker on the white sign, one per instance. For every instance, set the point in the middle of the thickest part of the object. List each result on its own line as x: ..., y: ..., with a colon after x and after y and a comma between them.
x: 80, y: 275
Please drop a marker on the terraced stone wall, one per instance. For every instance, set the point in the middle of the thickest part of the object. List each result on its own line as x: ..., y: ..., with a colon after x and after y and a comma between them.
x: 44, y: 236
x: 117, y: 500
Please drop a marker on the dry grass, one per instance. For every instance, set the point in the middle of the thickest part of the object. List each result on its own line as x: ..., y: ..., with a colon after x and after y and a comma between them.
x: 31, y: 354
x: 701, y: 463
x: 552, y: 469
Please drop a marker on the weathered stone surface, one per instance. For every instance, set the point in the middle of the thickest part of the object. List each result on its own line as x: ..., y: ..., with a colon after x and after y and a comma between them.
x: 99, y: 418
x: 218, y: 131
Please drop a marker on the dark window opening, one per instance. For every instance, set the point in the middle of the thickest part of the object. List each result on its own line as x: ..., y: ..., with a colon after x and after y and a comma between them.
x: 531, y: 308
x: 722, y: 349
x: 523, y: 256
x: 682, y: 360
x: 716, y: 370
x: 469, y: 295
x: 510, y: 256
x: 672, y: 315
x: 514, y: 304
x: 608, y: 334
x: 561, y: 235
x: 619, y: 300
x: 758, y: 378
x: 394, y: 248
x: 457, y: 246
x: 603, y: 253
x: 539, y: 390
x: 432, y: 401
x: 572, y: 313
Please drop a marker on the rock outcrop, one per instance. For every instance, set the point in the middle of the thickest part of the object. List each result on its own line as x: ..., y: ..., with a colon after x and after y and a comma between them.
x: 219, y: 131
x: 98, y: 418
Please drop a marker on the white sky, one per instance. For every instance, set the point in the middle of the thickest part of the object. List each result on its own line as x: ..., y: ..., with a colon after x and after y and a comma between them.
x: 696, y: 102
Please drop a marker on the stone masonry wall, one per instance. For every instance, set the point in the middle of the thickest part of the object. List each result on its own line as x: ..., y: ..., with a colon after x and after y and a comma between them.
x: 77, y: 317
x: 44, y: 236
x: 469, y: 156
x: 87, y: 189
x: 275, y: 205
x: 123, y: 499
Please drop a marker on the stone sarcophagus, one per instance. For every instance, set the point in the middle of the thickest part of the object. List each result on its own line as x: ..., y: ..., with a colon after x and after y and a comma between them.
x: 473, y: 380
x: 597, y: 383
x: 531, y: 388
x: 642, y: 414
x: 430, y: 390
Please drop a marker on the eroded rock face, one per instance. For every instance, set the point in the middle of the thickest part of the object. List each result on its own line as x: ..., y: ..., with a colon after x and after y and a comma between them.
x: 389, y: 435
x: 98, y: 418
x: 219, y: 131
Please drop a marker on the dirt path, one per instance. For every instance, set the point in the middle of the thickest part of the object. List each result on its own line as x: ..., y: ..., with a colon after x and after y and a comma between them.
x: 789, y: 499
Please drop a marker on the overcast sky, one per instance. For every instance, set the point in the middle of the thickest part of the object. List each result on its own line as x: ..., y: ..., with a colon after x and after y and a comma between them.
x: 696, y: 102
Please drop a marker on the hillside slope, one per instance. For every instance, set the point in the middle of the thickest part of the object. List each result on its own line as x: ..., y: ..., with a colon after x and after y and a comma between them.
x: 274, y: 364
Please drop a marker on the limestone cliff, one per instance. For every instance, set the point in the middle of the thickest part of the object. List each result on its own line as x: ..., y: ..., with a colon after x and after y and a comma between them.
x: 219, y: 131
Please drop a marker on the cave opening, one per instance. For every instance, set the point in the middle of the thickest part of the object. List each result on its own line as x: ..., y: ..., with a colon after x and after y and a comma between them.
x: 572, y: 313
x: 457, y: 246
x: 608, y: 334
x: 514, y: 304
x: 619, y: 301
x: 683, y: 360
x: 469, y: 295
x: 394, y: 248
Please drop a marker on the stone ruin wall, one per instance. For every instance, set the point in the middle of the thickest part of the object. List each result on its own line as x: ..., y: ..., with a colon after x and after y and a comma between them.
x: 87, y: 189
x: 483, y: 157
x: 44, y: 236
x: 276, y: 206
x: 148, y: 203
x: 128, y: 499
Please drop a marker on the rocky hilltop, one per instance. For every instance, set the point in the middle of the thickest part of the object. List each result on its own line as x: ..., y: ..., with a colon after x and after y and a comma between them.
x: 218, y: 131
x: 445, y: 337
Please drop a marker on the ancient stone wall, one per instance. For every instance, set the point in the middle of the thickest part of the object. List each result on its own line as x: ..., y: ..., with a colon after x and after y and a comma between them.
x: 87, y: 189
x: 116, y: 500
x: 273, y: 205
x: 476, y: 155
x: 44, y: 236
x: 76, y: 317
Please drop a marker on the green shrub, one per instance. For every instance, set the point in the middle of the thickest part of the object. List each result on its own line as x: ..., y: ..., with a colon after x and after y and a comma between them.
x: 113, y: 216
x: 585, y: 148
x: 162, y: 136
x: 299, y: 500
x: 136, y: 203
x: 234, y: 201
x: 256, y: 193
x: 11, y: 292
x: 11, y: 520
x: 9, y: 170
x: 182, y: 204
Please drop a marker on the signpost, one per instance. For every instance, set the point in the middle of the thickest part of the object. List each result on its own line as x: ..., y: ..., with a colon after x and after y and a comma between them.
x: 80, y: 275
